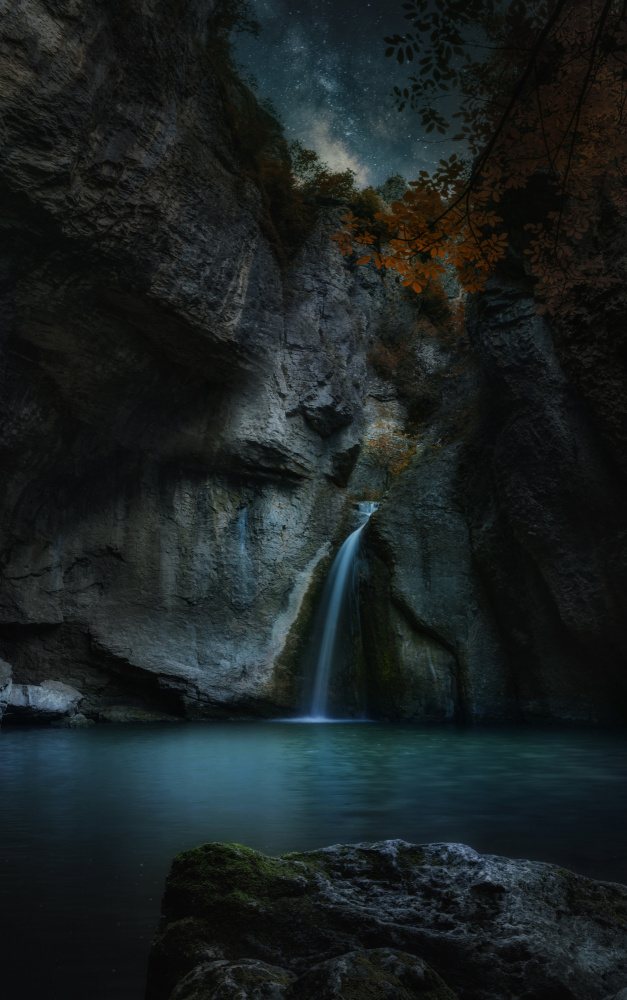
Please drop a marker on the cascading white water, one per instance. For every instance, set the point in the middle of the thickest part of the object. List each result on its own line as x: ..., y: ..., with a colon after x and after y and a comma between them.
x: 333, y: 598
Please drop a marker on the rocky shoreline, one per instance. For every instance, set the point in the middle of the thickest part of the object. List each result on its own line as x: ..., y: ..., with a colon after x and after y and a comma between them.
x: 385, y: 921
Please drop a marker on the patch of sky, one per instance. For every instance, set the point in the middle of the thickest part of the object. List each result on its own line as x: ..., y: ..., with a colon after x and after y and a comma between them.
x: 323, y: 68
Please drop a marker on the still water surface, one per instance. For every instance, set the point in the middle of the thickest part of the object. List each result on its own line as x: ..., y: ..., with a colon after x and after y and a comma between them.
x: 90, y: 819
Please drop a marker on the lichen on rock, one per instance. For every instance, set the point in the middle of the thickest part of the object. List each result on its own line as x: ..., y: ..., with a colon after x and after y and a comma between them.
x: 429, y: 921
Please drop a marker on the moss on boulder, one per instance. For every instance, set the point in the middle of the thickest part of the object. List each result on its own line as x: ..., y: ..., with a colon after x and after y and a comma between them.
x: 378, y: 974
x: 384, y: 921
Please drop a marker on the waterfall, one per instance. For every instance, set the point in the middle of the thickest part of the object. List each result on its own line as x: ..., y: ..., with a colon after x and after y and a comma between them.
x: 333, y: 600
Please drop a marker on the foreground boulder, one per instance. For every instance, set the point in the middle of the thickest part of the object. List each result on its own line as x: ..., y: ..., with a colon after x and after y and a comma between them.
x: 385, y: 921
x: 376, y: 974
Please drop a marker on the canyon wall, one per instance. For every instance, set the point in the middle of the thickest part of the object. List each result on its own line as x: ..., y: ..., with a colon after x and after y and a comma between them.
x: 182, y: 410
x: 498, y: 565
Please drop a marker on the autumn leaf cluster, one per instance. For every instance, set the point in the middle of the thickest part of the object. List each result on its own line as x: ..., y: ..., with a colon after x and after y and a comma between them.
x: 389, y: 449
x: 546, y: 104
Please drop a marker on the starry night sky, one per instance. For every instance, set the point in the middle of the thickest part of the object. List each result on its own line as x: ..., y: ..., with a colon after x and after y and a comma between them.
x: 322, y: 65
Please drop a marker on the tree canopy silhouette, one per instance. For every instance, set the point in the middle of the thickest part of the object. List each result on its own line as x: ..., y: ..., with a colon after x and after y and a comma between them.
x: 538, y: 89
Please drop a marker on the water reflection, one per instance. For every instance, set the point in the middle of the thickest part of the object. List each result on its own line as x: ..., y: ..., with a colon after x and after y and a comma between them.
x: 91, y: 819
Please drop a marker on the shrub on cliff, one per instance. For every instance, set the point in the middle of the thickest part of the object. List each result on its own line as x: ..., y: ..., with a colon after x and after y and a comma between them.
x: 389, y: 449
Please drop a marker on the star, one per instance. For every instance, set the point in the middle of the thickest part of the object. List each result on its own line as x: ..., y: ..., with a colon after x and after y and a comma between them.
x: 324, y: 71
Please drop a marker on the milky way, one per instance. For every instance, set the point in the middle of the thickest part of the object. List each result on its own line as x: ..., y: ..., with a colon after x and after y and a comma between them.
x: 322, y: 66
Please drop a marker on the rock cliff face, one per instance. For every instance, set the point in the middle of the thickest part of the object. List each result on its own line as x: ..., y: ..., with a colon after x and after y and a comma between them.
x: 389, y: 921
x: 179, y: 413
x: 499, y: 560
x: 182, y: 409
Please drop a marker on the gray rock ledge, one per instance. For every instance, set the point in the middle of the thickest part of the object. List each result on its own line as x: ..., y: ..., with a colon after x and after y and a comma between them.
x: 385, y: 921
x: 46, y: 702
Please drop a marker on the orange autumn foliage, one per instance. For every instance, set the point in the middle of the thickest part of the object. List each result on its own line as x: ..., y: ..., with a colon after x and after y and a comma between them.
x: 388, y: 449
x: 547, y: 105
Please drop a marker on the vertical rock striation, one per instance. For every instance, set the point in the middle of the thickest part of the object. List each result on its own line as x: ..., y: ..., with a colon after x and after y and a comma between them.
x: 178, y: 408
x: 499, y: 560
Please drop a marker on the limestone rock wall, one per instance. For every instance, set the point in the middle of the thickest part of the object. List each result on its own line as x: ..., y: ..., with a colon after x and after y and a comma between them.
x: 180, y: 413
x: 182, y: 409
x: 499, y: 561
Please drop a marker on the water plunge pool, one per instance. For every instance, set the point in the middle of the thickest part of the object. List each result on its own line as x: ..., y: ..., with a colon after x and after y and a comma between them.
x: 91, y: 819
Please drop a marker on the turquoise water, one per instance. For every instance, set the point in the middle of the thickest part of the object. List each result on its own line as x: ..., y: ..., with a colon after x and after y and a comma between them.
x: 90, y: 819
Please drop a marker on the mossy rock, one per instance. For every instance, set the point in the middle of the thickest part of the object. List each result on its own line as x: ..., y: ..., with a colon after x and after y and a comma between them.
x: 215, y: 877
x: 378, y: 974
x: 245, y: 980
x: 253, y: 904
x: 385, y: 921
x: 588, y: 898
x: 238, y: 897
x: 179, y: 948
